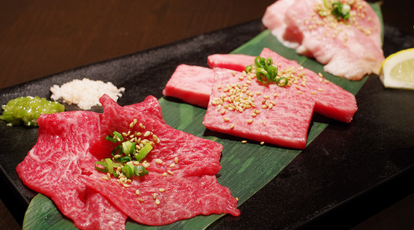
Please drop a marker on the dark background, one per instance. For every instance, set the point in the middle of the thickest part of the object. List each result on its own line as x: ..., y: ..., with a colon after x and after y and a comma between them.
x: 44, y: 37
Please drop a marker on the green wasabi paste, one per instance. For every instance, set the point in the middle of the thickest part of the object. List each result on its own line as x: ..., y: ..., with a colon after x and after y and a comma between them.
x: 28, y: 109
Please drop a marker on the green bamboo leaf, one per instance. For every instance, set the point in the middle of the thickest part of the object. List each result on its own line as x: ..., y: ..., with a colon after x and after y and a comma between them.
x: 246, y: 168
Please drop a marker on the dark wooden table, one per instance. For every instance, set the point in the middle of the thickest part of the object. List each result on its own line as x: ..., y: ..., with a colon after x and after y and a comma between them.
x: 41, y: 38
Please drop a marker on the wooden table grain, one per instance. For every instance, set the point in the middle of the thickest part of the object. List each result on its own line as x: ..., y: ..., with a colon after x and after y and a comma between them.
x: 44, y: 37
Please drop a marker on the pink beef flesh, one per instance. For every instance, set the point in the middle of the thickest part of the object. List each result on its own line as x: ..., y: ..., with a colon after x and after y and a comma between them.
x: 346, y: 51
x: 52, y: 167
x: 237, y: 62
x: 61, y: 166
x: 190, y: 189
x: 330, y: 100
x: 191, y: 84
x: 287, y: 122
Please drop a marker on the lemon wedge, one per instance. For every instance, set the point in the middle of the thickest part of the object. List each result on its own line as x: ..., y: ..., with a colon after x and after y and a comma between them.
x: 397, y: 70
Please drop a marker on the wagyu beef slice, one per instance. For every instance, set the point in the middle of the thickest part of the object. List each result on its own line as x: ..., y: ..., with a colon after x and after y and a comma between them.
x: 348, y: 50
x: 330, y: 100
x: 237, y: 62
x: 191, y: 84
x: 286, y: 113
x: 190, y: 185
x: 285, y: 123
x: 52, y: 167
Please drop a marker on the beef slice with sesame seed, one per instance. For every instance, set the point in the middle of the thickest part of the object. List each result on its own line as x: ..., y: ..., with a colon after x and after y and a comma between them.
x: 330, y: 100
x: 286, y: 123
x: 270, y: 113
x: 191, y: 187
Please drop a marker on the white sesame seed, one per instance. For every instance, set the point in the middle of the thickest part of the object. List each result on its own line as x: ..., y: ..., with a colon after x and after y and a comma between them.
x: 105, y: 178
x: 164, y: 174
x: 244, y: 141
x: 157, y: 202
x: 154, y: 195
x: 176, y: 160
x: 172, y: 165
x: 146, y: 164
x: 262, y: 143
x: 170, y: 172
x: 147, y: 133
x: 137, y: 192
x: 226, y: 119
x: 161, y: 189
x: 250, y: 120
x: 126, y: 185
x: 158, y: 161
x: 232, y: 126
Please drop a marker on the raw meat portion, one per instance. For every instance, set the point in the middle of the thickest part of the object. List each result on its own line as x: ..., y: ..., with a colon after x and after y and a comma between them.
x: 284, y: 112
x: 149, y: 109
x: 330, y: 100
x: 285, y: 124
x: 190, y: 184
x: 348, y: 50
x: 235, y: 62
x: 52, y: 168
x: 191, y: 84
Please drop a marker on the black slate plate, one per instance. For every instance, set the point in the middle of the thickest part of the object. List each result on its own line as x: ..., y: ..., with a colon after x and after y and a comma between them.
x: 346, y: 174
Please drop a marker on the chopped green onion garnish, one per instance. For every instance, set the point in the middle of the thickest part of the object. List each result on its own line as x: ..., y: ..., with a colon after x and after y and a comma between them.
x: 248, y: 68
x: 110, y: 167
x: 143, y: 152
x: 99, y: 168
x: 116, y: 174
x: 118, y: 136
x: 127, y: 171
x: 109, y: 138
x: 140, y: 170
x: 127, y: 147
x: 123, y: 159
x: 262, y: 75
x: 116, y: 164
x: 117, y: 150
x: 272, y: 72
x: 341, y: 10
x: 265, y: 70
x: 259, y: 61
x: 284, y: 82
x: 269, y: 62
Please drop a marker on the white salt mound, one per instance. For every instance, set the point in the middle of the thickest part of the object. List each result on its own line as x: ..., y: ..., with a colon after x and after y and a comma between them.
x: 85, y: 93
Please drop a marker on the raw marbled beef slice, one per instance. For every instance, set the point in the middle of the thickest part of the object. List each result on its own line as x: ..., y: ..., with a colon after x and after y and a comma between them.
x: 52, y: 168
x: 190, y: 187
x: 284, y: 123
x: 191, y: 84
x: 237, y: 62
x: 330, y: 100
